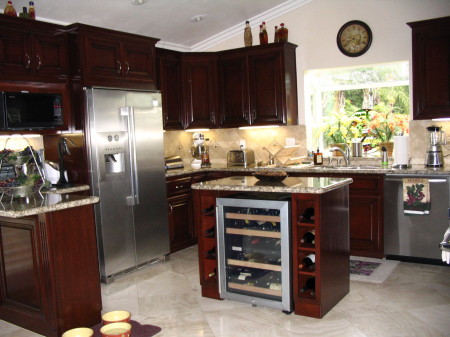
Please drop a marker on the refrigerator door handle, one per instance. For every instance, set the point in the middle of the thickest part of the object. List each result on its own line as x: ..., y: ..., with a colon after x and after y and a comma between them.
x: 129, y: 112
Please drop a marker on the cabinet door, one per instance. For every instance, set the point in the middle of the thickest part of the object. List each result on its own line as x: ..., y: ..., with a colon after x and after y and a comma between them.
x: 266, y: 88
x: 366, y: 236
x: 138, y: 61
x: 199, y: 91
x: 23, y: 295
x: 169, y: 82
x: 102, y: 59
x: 431, y: 68
x: 49, y: 55
x: 233, y: 91
x: 15, y: 52
x: 181, y: 222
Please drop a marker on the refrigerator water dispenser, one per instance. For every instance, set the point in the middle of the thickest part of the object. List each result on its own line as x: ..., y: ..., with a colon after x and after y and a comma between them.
x: 114, y: 163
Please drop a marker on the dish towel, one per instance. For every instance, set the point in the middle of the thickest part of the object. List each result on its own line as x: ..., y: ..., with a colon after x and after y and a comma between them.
x: 416, y: 196
x: 445, y: 247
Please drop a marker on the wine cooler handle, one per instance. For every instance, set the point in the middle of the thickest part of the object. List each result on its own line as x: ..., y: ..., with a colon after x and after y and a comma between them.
x: 218, y: 274
x: 129, y: 111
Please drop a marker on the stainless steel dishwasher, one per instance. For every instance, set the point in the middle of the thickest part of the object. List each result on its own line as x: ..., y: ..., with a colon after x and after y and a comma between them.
x: 415, y: 238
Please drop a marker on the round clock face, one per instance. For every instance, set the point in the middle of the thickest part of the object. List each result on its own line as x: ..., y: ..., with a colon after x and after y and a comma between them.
x: 354, y: 38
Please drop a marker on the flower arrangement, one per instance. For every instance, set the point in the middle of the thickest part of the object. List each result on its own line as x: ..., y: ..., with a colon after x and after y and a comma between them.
x: 342, y: 128
x: 385, y: 125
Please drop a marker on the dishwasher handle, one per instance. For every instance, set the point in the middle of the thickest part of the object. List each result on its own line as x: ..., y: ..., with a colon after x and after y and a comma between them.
x: 430, y: 180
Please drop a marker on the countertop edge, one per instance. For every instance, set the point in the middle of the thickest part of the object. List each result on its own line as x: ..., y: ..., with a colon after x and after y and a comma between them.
x: 272, y: 187
x: 86, y: 200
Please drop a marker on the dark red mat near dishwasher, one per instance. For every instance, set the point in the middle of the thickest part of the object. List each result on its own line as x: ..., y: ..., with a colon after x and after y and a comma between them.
x: 137, y: 329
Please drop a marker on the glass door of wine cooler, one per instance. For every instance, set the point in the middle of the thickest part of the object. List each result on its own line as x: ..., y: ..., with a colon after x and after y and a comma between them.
x: 254, y: 251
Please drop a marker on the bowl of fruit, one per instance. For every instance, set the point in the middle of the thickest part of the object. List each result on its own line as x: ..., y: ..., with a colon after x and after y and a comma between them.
x: 21, y: 186
x: 16, y: 157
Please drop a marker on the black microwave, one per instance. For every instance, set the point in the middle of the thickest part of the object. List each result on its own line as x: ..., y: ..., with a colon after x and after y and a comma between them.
x: 27, y: 111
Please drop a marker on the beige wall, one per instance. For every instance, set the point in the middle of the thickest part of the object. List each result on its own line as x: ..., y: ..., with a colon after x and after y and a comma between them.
x: 313, y: 27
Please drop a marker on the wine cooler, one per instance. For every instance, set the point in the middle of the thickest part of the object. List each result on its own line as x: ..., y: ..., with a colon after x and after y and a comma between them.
x: 254, y: 264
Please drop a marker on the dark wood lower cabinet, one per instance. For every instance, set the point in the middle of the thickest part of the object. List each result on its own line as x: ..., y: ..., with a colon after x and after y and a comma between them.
x: 49, y: 276
x: 181, y: 222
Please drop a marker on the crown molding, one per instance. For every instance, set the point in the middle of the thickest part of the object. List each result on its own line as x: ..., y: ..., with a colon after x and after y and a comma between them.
x: 271, y: 14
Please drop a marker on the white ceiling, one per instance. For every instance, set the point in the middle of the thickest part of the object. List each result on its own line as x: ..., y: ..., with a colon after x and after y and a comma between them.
x: 168, y: 20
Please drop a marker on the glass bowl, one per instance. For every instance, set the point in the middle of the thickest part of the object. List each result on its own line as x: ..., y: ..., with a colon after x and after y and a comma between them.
x: 20, y: 191
x: 15, y: 159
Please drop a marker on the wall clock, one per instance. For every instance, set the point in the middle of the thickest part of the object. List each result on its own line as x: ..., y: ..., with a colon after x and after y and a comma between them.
x: 354, y: 38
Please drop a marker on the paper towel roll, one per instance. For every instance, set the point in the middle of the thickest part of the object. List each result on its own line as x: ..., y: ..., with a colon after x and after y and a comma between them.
x: 401, y: 150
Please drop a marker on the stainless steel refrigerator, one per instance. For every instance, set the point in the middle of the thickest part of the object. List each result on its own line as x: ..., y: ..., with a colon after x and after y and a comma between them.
x: 124, y: 134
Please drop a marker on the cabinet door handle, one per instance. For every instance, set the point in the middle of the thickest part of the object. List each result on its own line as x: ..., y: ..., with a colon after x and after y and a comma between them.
x: 27, y: 61
x: 38, y: 62
x: 128, y: 68
x: 119, y: 67
x: 213, y: 117
x: 170, y: 209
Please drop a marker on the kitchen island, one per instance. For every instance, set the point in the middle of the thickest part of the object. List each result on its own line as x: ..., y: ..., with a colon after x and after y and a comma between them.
x: 49, y: 276
x: 329, y: 200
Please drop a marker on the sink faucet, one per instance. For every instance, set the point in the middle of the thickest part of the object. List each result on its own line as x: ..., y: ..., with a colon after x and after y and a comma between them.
x: 271, y: 157
x: 345, y: 154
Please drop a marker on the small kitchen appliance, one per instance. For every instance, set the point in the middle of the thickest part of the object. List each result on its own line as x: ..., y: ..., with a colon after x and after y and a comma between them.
x: 242, y: 157
x: 199, y: 150
x: 436, y: 138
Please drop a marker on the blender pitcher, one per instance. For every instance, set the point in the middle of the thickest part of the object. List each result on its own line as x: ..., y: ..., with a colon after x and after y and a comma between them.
x: 436, y: 138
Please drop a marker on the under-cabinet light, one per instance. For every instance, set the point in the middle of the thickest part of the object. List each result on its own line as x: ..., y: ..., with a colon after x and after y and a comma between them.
x: 258, y: 127
x: 196, y: 130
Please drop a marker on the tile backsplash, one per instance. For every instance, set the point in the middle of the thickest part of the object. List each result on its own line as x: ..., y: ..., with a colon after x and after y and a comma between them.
x: 222, y: 140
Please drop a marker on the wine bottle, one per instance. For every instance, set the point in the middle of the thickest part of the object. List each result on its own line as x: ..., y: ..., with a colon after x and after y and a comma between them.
x: 276, y: 38
x: 308, y: 261
x: 208, y: 210
x: 309, y: 237
x: 308, y: 215
x: 210, y: 233
x: 309, y: 285
x: 211, y: 253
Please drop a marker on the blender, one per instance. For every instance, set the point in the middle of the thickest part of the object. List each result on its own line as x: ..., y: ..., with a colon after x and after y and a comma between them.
x: 200, y: 151
x: 436, y: 138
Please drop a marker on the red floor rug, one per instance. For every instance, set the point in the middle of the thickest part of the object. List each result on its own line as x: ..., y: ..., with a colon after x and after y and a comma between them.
x: 137, y: 329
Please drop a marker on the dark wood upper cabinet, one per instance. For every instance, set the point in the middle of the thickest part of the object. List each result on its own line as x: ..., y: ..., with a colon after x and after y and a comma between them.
x: 32, y: 50
x: 112, y: 58
x: 200, y: 89
x: 234, y: 99
x: 258, y: 86
x: 431, y: 68
x: 168, y: 65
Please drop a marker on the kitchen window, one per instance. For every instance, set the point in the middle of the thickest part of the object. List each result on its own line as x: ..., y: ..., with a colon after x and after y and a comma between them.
x: 341, y: 102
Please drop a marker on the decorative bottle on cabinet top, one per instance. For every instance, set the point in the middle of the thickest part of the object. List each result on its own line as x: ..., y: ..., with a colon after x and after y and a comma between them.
x: 263, y: 37
x: 248, y: 39
x: 9, y: 9
x: 32, y: 11
x: 276, y: 38
x: 283, y: 33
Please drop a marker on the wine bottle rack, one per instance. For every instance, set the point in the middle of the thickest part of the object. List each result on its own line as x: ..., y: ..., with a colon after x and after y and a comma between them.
x: 329, y: 275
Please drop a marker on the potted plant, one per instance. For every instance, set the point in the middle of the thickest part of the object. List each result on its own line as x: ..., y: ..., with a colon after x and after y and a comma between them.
x: 339, y: 129
x: 383, y: 126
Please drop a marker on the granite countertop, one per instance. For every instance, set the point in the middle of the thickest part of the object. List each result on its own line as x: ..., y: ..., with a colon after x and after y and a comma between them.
x: 289, y: 185
x: 352, y: 169
x: 49, y: 200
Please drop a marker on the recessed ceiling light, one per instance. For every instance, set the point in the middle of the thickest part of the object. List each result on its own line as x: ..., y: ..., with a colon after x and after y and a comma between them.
x: 137, y: 2
x: 197, y: 18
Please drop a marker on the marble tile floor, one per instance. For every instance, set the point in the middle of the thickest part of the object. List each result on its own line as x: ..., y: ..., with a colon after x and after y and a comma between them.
x: 413, y: 301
